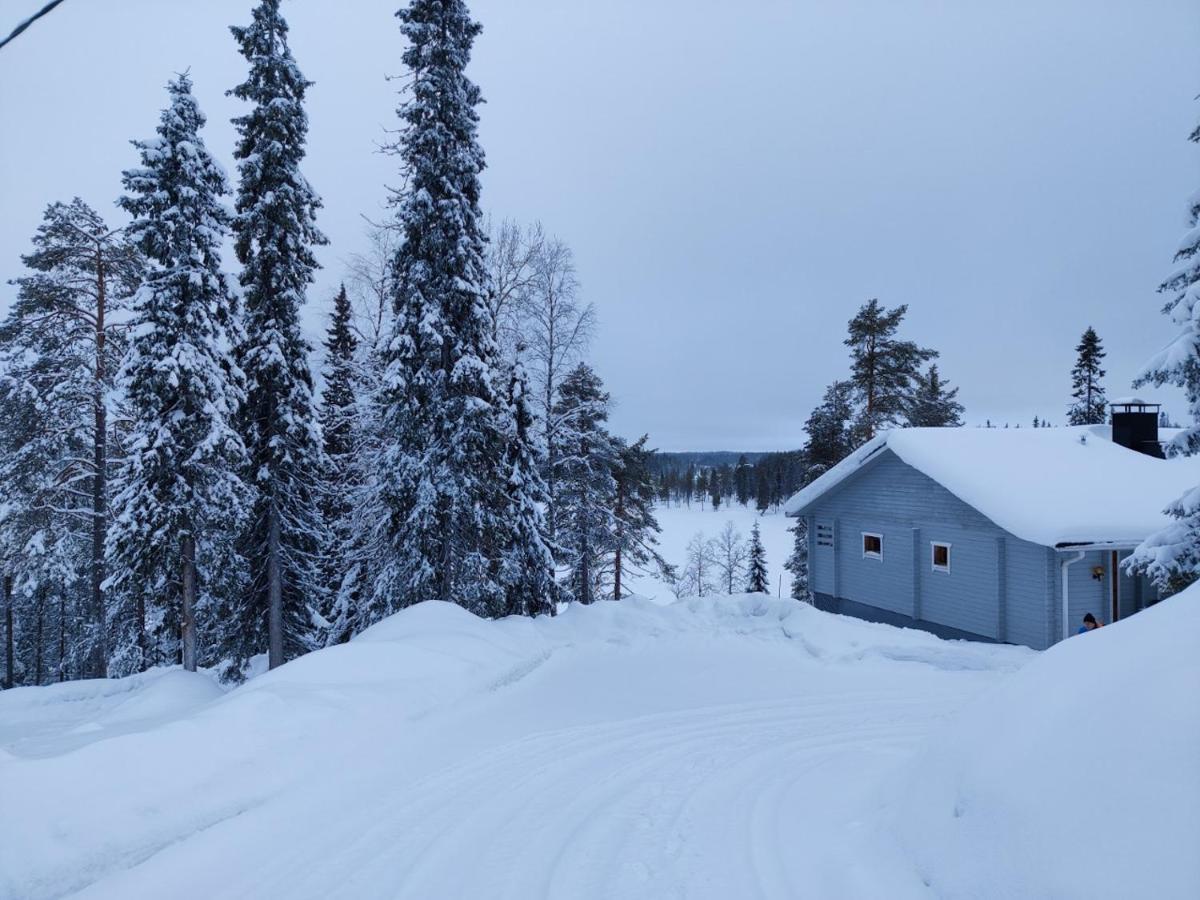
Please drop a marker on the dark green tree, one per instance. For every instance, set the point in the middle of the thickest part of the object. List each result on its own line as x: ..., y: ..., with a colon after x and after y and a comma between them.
x: 635, y: 528
x: 933, y: 404
x: 339, y: 409
x: 585, y: 460
x: 797, y: 563
x: 883, y: 367
x: 1090, y: 406
x: 757, y: 582
x: 440, y: 508
x: 61, y: 344
x: 829, y: 428
x: 182, y: 500
x: 741, y: 480
x: 274, y: 235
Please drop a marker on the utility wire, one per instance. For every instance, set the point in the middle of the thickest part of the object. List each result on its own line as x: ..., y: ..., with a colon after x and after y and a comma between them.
x: 23, y: 25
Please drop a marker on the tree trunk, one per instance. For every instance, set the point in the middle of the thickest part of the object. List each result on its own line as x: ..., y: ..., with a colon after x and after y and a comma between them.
x: 274, y: 592
x: 188, y: 630
x: 62, y: 637
x: 617, y: 572
x: 9, y: 663
x: 37, y: 654
x: 585, y: 572
x: 143, y: 650
x: 619, y: 515
x: 551, y: 524
x: 99, y: 655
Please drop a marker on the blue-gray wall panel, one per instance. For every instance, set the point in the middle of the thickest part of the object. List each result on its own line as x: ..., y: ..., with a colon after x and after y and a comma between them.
x: 891, y: 498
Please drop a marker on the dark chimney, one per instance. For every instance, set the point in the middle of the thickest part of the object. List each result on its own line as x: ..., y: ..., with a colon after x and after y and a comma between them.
x: 1135, y: 425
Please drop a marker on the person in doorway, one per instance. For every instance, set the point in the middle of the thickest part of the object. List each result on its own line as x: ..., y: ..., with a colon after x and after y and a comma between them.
x: 1089, y: 623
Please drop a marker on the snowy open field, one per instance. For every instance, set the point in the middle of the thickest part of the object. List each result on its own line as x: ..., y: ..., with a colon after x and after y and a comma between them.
x: 680, y: 523
x: 724, y: 748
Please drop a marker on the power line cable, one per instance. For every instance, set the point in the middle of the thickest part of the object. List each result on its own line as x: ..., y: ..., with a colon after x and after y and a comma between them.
x: 23, y: 25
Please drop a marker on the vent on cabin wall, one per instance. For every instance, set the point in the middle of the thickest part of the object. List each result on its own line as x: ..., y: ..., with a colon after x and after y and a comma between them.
x: 1135, y: 425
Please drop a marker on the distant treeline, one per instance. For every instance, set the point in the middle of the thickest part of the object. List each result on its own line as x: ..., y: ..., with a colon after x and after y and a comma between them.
x: 723, y: 478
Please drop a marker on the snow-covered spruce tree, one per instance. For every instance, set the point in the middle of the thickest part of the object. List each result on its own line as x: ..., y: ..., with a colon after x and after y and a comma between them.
x: 757, y: 580
x: 60, y: 345
x: 1089, y: 406
x: 527, y: 572
x: 440, y: 489
x: 274, y: 235
x: 933, y: 404
x: 797, y: 563
x: 635, y: 528
x: 883, y: 367
x: 585, y: 458
x: 181, y: 499
x: 339, y: 408
x: 1171, y: 557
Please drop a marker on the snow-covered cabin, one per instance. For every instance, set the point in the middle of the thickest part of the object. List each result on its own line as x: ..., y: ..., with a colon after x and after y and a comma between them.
x: 997, y: 534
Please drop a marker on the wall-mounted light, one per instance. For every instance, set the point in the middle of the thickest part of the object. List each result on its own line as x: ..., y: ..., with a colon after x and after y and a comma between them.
x: 1098, y: 573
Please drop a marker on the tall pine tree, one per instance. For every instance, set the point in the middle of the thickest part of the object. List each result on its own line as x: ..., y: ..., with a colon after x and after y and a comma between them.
x: 1090, y: 406
x: 181, y: 499
x: 275, y: 232
x: 635, y: 528
x: 61, y: 344
x: 441, y: 485
x: 884, y: 368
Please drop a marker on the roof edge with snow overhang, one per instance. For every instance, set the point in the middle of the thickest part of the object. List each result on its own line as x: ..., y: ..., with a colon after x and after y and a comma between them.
x: 1059, y: 487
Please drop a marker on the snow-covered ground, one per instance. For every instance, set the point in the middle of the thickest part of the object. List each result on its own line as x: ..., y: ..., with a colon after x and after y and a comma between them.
x: 681, y: 523
x: 716, y: 748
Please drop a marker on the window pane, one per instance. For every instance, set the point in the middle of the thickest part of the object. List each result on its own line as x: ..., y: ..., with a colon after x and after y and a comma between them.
x: 872, y: 543
x: 941, y: 556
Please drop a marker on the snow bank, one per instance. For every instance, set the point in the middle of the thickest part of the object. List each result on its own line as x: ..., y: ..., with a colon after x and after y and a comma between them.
x: 1079, y: 776
x: 42, y: 721
x: 120, y: 786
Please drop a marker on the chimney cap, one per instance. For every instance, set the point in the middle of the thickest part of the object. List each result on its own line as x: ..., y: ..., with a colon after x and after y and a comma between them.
x: 1129, y: 402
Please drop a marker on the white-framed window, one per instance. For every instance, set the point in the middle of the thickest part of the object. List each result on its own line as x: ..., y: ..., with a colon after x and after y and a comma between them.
x: 872, y: 545
x: 939, y: 556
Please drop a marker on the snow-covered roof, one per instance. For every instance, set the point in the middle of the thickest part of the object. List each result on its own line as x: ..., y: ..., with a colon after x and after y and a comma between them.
x: 1050, y: 486
x: 1132, y: 401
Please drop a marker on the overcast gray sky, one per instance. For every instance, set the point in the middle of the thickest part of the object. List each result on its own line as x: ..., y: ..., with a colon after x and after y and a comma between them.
x: 735, y: 179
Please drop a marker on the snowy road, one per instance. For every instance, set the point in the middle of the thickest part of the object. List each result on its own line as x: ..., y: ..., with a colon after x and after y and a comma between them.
x: 733, y: 749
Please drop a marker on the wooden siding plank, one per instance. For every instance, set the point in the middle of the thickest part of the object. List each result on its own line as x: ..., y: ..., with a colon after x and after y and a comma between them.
x: 1001, y: 588
x: 916, y: 579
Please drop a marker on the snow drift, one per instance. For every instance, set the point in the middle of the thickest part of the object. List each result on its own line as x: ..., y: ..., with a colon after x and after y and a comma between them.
x: 1079, y: 776
x: 715, y: 748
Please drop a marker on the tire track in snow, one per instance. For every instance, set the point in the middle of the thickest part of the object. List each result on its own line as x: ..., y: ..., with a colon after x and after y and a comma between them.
x: 651, y: 807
